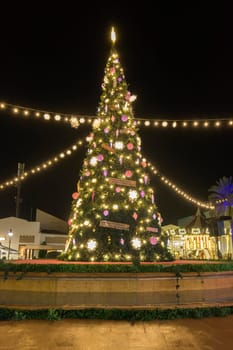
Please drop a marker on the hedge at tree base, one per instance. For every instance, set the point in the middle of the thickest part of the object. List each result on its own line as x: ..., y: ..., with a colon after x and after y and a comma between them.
x: 131, y: 315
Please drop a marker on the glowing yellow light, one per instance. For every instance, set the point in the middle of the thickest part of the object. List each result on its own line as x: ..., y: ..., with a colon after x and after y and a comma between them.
x: 91, y: 244
x: 136, y: 243
x: 119, y: 145
x: 46, y: 116
x: 113, y: 35
x: 133, y: 194
x: 93, y: 161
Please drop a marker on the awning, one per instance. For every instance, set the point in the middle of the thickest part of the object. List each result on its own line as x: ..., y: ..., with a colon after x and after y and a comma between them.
x: 44, y: 247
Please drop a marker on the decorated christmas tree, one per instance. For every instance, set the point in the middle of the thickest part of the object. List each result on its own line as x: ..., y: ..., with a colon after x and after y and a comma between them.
x: 114, y: 216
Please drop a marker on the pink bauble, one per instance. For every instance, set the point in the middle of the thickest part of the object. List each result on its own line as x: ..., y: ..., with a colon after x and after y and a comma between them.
x: 100, y: 157
x: 106, y: 212
x: 124, y: 118
x: 106, y: 130
x: 128, y: 173
x: 142, y: 194
x: 118, y: 189
x: 130, y: 146
x: 153, y: 240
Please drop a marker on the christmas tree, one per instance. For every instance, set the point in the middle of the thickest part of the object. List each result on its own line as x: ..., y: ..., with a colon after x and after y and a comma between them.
x: 114, y: 216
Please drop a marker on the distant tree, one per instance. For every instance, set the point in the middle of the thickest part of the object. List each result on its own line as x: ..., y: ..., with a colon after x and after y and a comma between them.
x: 221, y: 196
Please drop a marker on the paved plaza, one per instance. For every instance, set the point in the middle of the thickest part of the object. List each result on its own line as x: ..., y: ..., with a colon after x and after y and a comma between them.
x: 197, y: 334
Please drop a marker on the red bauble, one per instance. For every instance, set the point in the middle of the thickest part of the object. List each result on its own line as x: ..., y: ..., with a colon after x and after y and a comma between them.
x: 75, y: 195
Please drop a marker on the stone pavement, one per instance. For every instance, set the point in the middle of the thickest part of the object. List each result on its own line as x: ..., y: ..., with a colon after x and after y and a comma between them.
x: 213, y: 333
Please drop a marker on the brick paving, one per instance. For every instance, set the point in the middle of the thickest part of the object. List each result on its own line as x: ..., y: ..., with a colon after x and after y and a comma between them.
x: 196, y: 334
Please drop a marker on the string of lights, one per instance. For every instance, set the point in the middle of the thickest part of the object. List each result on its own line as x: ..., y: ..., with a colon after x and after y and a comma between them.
x: 177, y: 189
x: 62, y: 155
x: 75, y: 120
x: 43, y: 166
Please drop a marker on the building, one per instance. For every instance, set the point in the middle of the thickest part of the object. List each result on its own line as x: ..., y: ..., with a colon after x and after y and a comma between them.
x: 200, y: 237
x: 195, y: 237
x: 30, y: 238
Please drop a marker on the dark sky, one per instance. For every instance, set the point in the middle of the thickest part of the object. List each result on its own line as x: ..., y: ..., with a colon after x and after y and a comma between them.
x: 177, y: 59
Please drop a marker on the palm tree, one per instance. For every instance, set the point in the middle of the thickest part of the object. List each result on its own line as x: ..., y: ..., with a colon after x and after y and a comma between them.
x: 221, y: 196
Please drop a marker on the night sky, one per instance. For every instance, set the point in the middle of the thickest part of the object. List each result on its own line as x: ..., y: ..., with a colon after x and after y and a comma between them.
x: 178, y: 60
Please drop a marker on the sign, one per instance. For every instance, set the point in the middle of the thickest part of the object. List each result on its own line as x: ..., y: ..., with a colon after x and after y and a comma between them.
x: 113, y: 224
x: 152, y: 229
x: 122, y: 182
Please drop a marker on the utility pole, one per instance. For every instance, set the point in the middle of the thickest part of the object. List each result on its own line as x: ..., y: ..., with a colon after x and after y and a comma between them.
x: 18, y: 200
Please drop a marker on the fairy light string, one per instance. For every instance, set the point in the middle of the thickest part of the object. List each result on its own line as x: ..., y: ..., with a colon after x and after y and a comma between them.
x: 177, y: 189
x: 69, y: 151
x: 42, y: 166
x: 75, y: 120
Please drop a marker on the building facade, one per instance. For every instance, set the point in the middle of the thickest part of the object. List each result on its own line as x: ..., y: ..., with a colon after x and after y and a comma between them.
x: 29, y: 238
x: 198, y: 237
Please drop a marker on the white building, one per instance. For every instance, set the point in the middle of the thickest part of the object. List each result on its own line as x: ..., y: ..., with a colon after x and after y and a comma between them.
x: 47, y: 233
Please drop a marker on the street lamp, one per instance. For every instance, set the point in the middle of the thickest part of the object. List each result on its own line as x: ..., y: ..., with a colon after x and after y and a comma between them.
x: 9, y: 234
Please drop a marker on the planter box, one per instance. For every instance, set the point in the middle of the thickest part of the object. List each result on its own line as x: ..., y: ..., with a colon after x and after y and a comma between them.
x: 114, y: 289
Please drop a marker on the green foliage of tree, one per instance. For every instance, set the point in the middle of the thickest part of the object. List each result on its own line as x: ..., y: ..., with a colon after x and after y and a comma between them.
x: 221, y: 195
x: 114, y: 216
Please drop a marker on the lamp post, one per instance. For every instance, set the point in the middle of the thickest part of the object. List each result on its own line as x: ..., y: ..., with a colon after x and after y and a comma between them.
x: 10, y: 234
